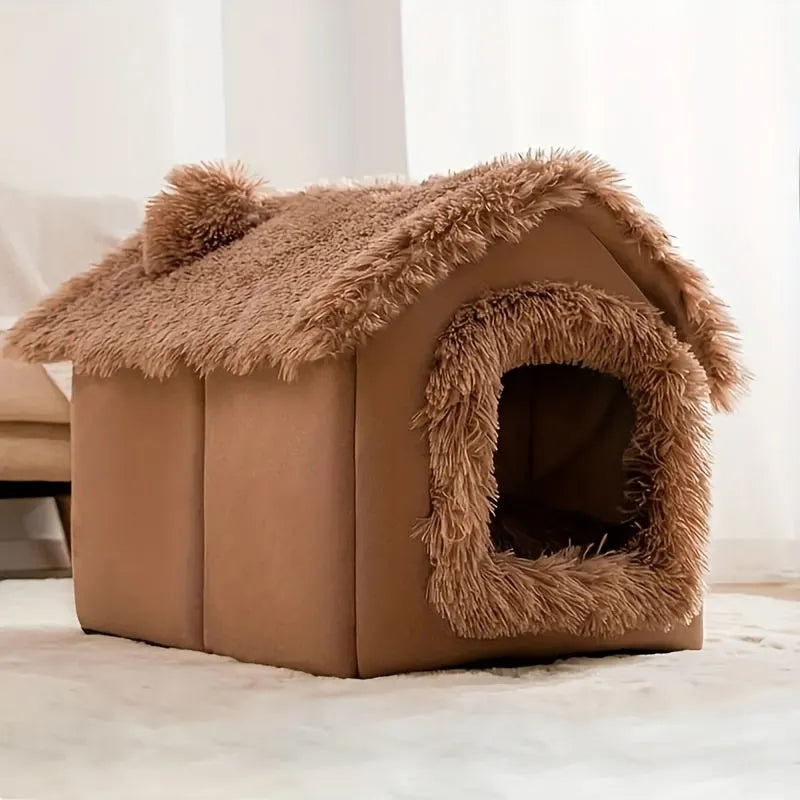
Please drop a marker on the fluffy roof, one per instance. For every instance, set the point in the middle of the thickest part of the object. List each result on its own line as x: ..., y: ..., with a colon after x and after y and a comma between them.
x: 225, y: 275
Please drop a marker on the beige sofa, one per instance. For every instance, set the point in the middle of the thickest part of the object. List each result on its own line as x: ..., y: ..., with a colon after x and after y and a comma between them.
x: 34, y: 463
x: 34, y: 426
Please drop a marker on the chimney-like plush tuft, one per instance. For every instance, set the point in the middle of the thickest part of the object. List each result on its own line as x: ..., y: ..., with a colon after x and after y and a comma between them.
x: 204, y: 206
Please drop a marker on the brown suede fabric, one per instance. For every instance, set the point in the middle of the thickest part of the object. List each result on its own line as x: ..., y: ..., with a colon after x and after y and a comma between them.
x: 279, y: 518
x: 137, y: 506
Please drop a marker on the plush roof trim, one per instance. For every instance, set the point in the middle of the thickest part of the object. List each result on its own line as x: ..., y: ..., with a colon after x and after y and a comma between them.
x: 653, y: 583
x: 330, y: 267
x: 204, y: 207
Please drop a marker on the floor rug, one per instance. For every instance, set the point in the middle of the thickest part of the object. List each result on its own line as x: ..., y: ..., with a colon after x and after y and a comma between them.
x: 97, y: 717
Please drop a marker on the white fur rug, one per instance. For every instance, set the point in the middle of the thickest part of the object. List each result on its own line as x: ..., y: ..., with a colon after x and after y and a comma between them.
x: 95, y: 717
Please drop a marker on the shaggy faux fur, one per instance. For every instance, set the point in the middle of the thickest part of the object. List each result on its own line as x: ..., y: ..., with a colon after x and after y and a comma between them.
x: 651, y: 584
x: 224, y: 277
x: 203, y: 207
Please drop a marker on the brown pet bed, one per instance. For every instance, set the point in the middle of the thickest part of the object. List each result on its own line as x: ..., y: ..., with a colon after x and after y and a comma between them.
x: 389, y: 427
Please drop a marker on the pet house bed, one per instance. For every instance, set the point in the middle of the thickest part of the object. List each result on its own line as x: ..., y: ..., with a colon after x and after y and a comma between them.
x: 390, y: 427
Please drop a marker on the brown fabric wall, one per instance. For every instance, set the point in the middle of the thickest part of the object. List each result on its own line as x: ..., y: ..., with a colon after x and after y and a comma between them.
x: 654, y: 284
x: 137, y: 506
x: 397, y: 628
x: 279, y: 518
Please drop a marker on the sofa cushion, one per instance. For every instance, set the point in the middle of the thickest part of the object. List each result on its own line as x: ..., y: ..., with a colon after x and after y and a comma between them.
x: 34, y: 451
x: 28, y: 395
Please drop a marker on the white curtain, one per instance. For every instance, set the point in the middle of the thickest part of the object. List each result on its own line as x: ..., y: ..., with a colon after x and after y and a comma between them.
x: 100, y: 99
x: 699, y: 104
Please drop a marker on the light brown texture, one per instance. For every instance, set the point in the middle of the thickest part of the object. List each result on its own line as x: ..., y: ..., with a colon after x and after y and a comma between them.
x: 205, y: 206
x: 137, y: 506
x: 34, y: 451
x: 331, y: 266
x: 34, y: 425
x: 650, y: 585
x: 279, y: 533
x: 28, y: 395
